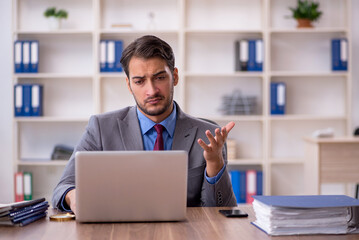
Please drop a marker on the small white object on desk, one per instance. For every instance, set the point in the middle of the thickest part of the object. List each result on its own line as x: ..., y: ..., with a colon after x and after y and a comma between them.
x: 323, y: 133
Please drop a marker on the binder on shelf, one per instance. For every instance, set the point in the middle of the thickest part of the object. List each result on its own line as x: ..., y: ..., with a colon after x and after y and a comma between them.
x: 277, y: 97
x: 339, y: 54
x: 26, y: 56
x: 18, y: 57
x: 18, y: 100
x: 36, y: 100
x: 19, y: 187
x: 311, y: 214
x: 103, y: 56
x: 110, y: 56
x: 118, y: 55
x: 243, y: 55
x: 255, y: 55
x: 34, y: 56
x: 259, y: 183
x: 251, y: 178
x: 27, y: 185
x: 235, y: 179
x: 26, y: 98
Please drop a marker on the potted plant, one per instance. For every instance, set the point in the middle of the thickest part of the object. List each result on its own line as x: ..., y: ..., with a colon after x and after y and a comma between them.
x: 55, y: 17
x: 305, y: 13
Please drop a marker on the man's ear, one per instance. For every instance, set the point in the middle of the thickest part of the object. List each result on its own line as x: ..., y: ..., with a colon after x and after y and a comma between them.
x: 175, y: 76
x: 128, y: 85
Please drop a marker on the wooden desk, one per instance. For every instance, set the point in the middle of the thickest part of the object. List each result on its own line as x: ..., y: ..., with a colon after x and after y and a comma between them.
x: 331, y: 160
x: 202, y: 223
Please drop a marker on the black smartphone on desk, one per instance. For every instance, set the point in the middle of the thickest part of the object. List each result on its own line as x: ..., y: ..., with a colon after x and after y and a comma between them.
x: 233, y: 213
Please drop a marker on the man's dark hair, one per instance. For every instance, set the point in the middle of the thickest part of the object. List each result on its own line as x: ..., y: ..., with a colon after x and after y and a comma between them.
x: 148, y: 47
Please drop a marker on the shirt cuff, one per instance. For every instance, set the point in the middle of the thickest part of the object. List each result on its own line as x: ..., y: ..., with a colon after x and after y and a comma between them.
x: 63, y: 205
x: 213, y: 180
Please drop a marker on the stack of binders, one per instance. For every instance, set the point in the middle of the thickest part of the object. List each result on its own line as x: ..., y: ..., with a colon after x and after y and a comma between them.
x: 26, y: 56
x: 311, y: 214
x: 23, y: 213
x: 110, y: 55
x: 249, y: 55
x: 28, y: 99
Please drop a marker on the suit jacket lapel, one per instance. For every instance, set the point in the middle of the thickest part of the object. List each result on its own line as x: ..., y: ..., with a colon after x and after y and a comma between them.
x: 130, y: 131
x: 185, y: 132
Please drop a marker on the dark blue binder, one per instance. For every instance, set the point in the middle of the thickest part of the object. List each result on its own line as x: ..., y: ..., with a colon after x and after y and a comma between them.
x: 339, y: 54
x: 26, y: 51
x: 243, y: 187
x: 103, y: 56
x: 277, y: 98
x: 36, y: 100
x: 34, y: 56
x: 259, y: 183
x: 18, y: 100
x: 235, y: 174
x: 26, y: 97
x: 118, y: 55
x: 18, y: 64
x: 255, y: 55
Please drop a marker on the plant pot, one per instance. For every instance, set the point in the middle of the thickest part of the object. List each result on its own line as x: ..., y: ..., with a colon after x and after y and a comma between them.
x: 54, y: 23
x: 304, y: 23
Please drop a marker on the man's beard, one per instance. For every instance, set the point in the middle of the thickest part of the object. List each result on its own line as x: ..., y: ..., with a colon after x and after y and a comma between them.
x: 156, y: 112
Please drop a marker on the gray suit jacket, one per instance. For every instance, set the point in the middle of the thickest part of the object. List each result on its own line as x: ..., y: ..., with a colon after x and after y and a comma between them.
x: 120, y: 131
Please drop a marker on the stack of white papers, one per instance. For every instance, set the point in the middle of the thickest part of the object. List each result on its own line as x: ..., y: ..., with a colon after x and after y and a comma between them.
x: 292, y: 215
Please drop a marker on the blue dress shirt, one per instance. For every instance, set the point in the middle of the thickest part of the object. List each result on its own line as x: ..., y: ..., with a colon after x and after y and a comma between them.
x: 149, y: 136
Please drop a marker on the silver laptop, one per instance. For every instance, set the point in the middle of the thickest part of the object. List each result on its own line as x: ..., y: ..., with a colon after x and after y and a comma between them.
x: 130, y: 186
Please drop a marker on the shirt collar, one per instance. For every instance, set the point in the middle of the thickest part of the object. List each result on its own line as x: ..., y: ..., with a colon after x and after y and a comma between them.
x: 169, y: 123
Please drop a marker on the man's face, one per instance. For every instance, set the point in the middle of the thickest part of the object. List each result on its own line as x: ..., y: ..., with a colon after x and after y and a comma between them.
x: 151, y: 84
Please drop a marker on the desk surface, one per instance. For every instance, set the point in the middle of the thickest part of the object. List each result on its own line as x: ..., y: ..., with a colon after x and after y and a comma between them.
x: 202, y: 223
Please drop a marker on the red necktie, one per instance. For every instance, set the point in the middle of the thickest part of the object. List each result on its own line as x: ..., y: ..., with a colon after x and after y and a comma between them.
x: 159, y: 139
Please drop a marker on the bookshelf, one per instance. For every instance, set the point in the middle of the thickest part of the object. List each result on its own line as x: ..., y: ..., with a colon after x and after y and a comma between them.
x: 202, y: 35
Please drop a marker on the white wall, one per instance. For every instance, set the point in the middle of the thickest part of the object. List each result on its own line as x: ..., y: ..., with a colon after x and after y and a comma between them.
x: 6, y: 176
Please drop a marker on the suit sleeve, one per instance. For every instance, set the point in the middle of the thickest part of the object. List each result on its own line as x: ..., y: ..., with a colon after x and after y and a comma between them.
x: 90, y: 141
x: 221, y: 193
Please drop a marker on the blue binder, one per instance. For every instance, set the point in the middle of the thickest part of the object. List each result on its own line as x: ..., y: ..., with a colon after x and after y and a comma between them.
x: 243, y: 187
x: 18, y: 65
x: 26, y: 97
x: 339, y: 54
x: 18, y: 100
x: 235, y: 178
x: 259, y: 183
x: 110, y: 55
x: 103, y: 56
x: 26, y: 56
x: 36, y: 100
x: 34, y: 56
x: 255, y: 55
x: 118, y: 55
x: 278, y: 97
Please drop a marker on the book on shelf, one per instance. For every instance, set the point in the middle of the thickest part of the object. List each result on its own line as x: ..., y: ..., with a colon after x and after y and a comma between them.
x: 277, y: 97
x: 28, y: 100
x: 23, y: 186
x: 309, y: 214
x: 23, y: 213
x: 26, y: 56
x: 245, y: 184
x: 110, y: 55
x: 339, y: 54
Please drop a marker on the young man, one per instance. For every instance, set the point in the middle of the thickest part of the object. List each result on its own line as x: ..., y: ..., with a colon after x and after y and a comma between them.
x: 149, y: 64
